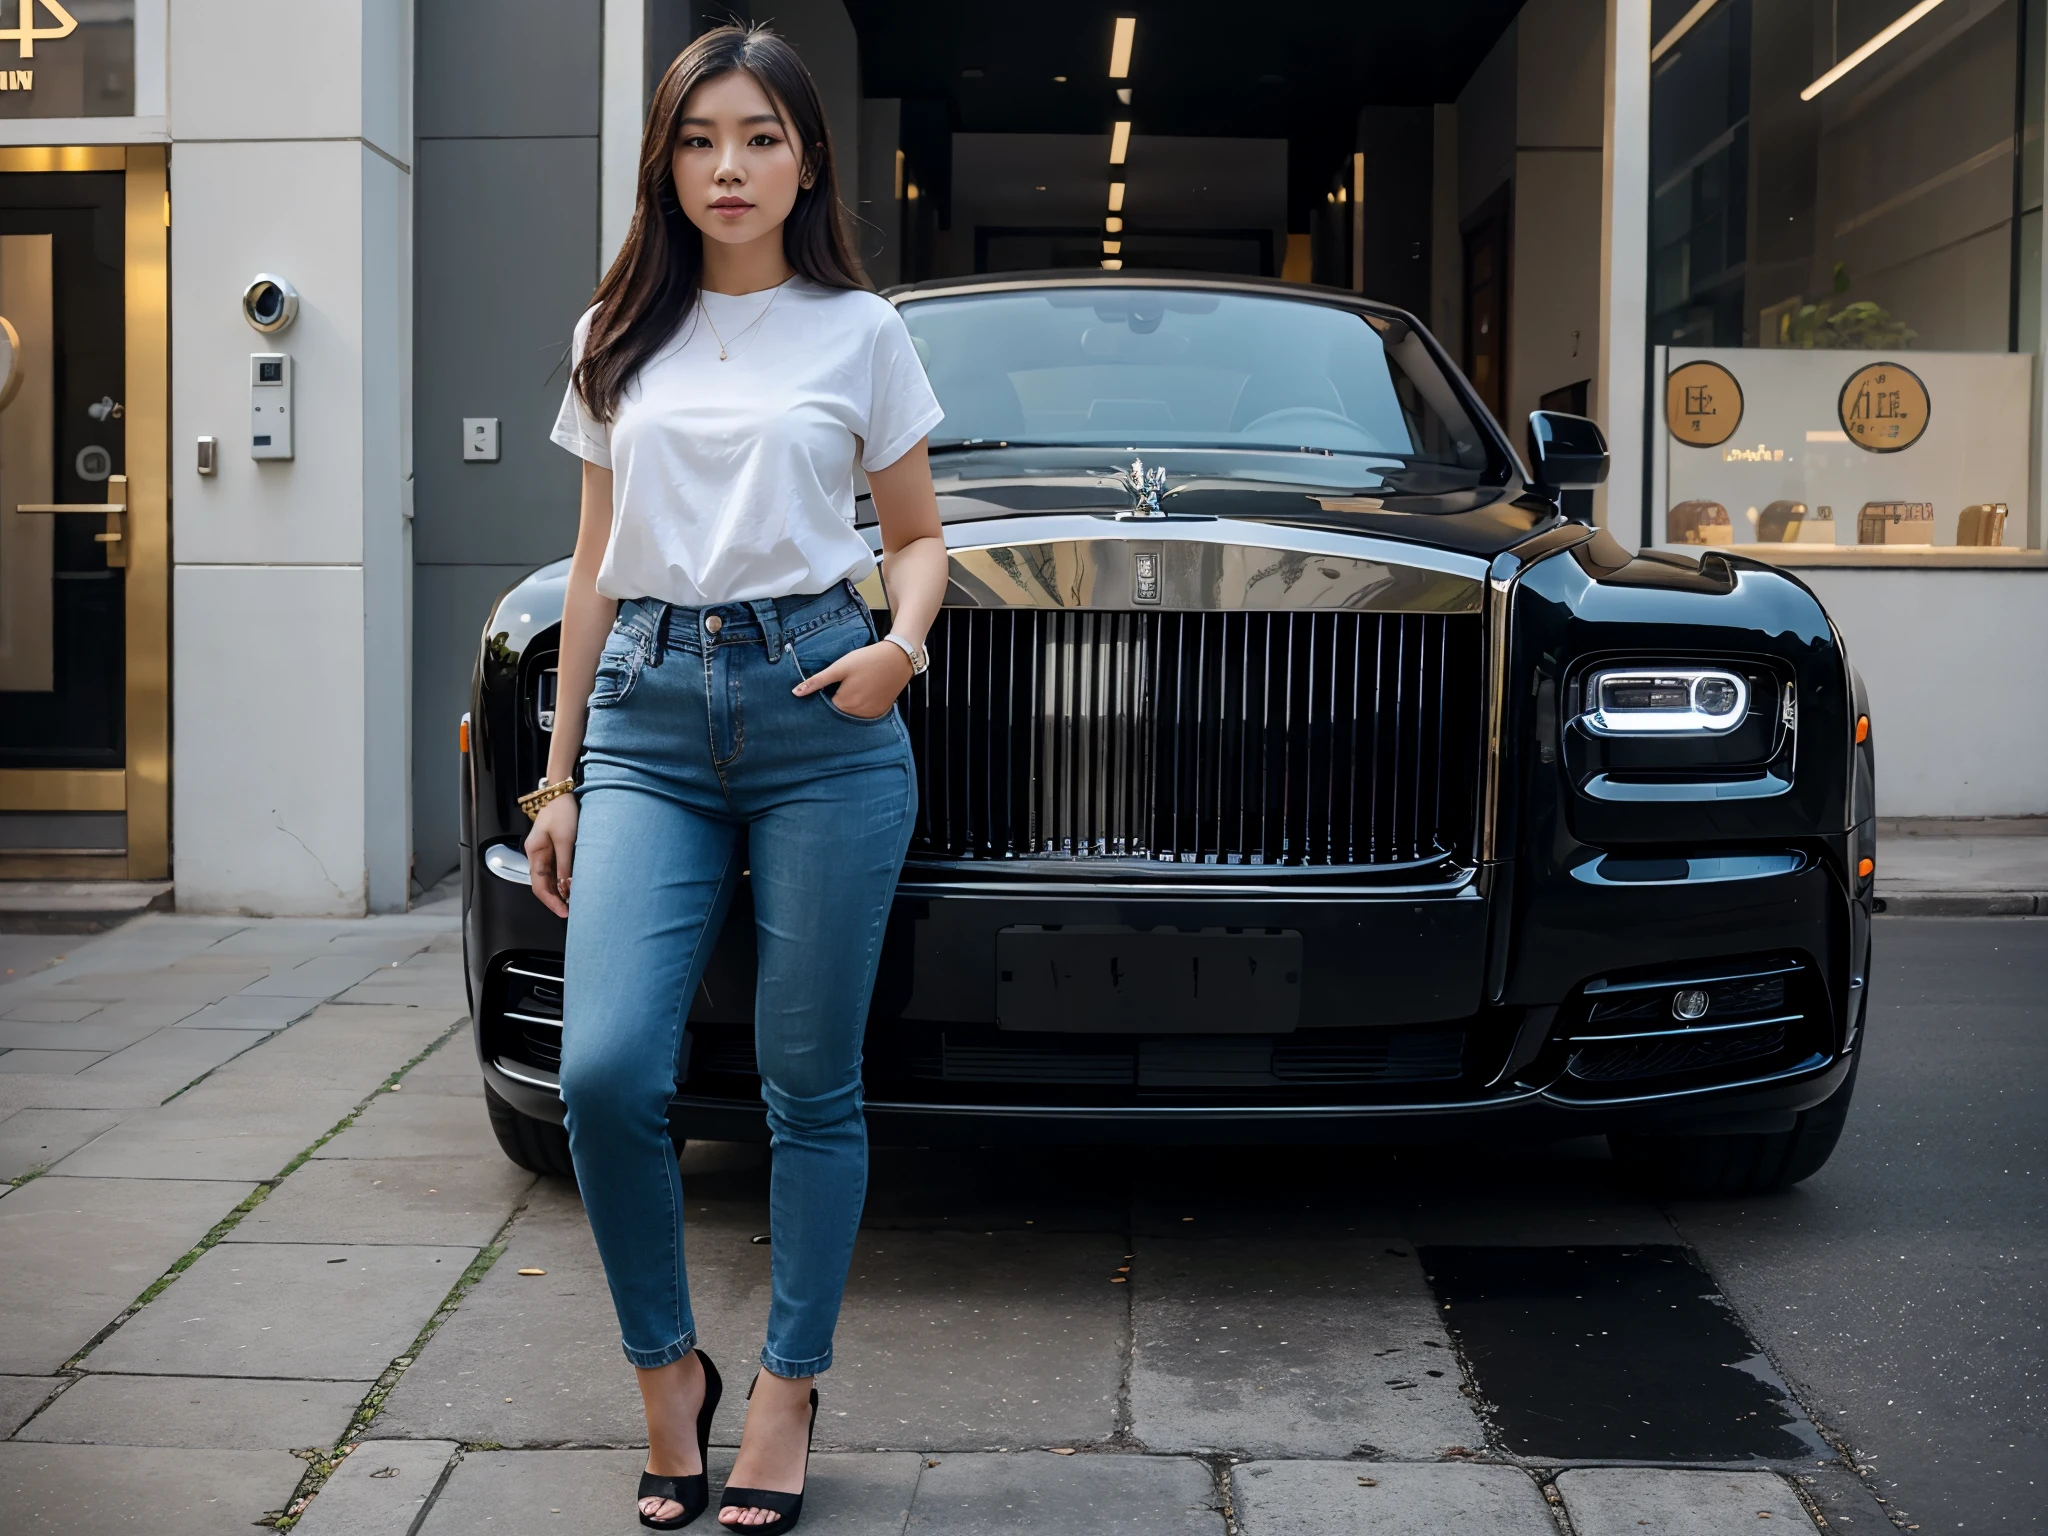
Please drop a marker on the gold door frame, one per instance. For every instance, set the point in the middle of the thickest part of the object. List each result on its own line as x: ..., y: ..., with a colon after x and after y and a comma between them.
x: 143, y: 787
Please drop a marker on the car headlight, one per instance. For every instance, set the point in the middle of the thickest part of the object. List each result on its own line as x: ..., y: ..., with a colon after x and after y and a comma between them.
x: 1665, y: 701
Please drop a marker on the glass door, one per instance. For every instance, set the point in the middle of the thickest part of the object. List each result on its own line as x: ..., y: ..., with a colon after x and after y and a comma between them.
x: 83, y: 525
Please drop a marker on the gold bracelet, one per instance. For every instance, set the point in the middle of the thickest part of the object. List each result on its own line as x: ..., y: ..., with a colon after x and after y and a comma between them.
x: 534, y: 799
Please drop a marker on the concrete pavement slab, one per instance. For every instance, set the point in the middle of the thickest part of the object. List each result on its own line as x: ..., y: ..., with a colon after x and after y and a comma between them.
x: 21, y: 1396
x: 299, y: 937
x: 981, y: 1495
x: 1622, y: 1501
x: 452, y: 1069
x: 61, y: 1490
x: 246, y: 1010
x: 976, y: 1189
x: 209, y: 1136
x: 52, y: 1010
x: 971, y: 1340
x: 164, y: 984
x: 346, y: 1049
x: 550, y: 1342
x: 171, y: 1058
x: 300, y: 1310
x: 37, y: 1138
x: 388, y: 1200
x: 513, y: 1493
x: 87, y: 1035
x: 55, y: 1063
x: 1343, y: 1497
x: 1311, y: 1349
x: 320, y: 976
x: 199, y: 1413
x: 410, y: 1124
x: 379, y: 1490
x: 75, y: 1252
x: 155, y: 1013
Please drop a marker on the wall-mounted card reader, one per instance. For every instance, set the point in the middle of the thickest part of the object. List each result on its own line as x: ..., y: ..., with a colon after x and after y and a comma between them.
x: 270, y: 405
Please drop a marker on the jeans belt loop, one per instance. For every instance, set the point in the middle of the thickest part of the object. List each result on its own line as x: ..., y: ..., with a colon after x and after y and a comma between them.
x: 661, y: 613
x: 770, y: 620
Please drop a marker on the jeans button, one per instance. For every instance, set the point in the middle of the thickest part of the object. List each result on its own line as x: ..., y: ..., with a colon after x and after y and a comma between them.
x: 713, y: 624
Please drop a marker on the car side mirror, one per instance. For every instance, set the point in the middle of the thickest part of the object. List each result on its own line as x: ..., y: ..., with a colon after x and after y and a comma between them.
x: 1566, y: 453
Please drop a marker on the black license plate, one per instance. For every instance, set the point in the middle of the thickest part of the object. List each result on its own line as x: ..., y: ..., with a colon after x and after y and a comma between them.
x: 1114, y: 980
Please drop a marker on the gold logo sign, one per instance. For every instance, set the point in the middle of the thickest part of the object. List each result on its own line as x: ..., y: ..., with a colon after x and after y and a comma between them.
x: 27, y: 32
x: 1884, y: 408
x: 1702, y: 404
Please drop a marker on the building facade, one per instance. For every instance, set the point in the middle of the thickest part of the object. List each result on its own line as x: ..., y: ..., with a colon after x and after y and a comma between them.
x: 1788, y: 253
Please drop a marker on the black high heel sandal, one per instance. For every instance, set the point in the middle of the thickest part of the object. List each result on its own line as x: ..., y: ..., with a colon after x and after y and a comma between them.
x: 786, y: 1507
x: 693, y: 1492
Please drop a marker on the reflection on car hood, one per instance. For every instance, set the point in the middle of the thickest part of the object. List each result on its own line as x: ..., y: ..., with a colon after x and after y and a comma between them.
x: 1421, y: 504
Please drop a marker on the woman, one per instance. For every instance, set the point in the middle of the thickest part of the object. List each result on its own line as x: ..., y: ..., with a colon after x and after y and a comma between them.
x: 740, y: 717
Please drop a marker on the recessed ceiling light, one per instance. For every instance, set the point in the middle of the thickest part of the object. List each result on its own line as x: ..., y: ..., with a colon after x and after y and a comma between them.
x: 1038, y: 189
x: 1112, y: 264
x: 1868, y: 49
x: 1116, y: 197
x: 1059, y: 79
x: 1112, y: 247
x: 1123, y: 94
x: 1113, y: 224
x: 1119, y: 142
x: 1120, y: 47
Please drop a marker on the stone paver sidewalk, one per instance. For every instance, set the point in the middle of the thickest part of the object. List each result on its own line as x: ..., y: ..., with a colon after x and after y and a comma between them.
x: 263, y: 1261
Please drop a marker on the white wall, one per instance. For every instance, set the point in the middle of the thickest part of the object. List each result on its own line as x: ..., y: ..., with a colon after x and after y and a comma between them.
x: 1958, y: 719
x: 290, y: 587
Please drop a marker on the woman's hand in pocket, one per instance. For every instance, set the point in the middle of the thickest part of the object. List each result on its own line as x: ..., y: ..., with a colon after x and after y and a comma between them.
x: 551, y: 852
x: 865, y: 681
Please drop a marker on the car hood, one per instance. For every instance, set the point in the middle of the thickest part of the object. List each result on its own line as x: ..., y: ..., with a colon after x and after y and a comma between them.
x: 1415, y: 505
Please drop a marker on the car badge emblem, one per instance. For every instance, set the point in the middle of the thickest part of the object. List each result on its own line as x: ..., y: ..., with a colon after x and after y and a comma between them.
x: 1145, y: 576
x: 1145, y: 486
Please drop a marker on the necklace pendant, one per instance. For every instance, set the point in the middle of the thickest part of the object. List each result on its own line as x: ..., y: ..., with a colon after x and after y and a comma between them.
x: 721, y: 354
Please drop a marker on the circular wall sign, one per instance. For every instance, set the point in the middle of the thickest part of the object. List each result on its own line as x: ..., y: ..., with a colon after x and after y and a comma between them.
x: 1702, y: 404
x: 10, y: 363
x: 1884, y: 407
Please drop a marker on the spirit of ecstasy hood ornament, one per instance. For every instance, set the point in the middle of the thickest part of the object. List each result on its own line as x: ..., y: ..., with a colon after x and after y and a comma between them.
x: 1144, y: 486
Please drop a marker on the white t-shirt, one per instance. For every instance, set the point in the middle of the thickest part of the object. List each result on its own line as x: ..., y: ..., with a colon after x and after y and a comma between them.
x: 734, y: 480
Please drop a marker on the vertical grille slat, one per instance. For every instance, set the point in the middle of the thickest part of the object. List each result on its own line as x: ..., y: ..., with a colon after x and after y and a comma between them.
x: 1315, y: 738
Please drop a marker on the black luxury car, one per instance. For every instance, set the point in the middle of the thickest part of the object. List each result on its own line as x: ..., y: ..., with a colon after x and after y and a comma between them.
x: 1294, y: 765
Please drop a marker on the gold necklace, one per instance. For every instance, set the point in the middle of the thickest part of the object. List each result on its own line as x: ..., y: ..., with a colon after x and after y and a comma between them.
x: 736, y: 335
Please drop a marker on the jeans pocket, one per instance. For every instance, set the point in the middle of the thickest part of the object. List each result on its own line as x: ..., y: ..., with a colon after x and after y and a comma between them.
x: 817, y: 650
x: 618, y: 669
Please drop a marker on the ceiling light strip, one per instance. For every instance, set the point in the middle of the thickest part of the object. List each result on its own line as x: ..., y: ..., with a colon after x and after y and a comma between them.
x: 1868, y: 49
x: 1686, y: 23
x: 1119, y: 142
x: 1120, y: 47
x: 1116, y: 197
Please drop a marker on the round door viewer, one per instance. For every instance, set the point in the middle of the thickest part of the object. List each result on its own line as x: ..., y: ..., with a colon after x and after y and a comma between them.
x: 1884, y: 408
x: 1702, y: 404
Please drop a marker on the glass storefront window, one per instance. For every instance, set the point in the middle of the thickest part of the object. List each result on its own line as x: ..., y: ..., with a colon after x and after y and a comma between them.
x: 1845, y: 268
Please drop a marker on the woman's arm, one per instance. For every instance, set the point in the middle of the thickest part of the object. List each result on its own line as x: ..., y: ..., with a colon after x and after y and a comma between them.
x: 914, y: 567
x: 586, y: 621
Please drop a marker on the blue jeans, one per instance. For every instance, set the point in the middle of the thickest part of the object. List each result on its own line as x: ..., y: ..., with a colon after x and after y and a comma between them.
x: 700, y: 765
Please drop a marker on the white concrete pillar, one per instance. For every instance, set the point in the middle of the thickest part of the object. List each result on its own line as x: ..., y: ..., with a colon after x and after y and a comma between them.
x: 292, y: 142
x: 1618, y: 385
x: 622, y: 122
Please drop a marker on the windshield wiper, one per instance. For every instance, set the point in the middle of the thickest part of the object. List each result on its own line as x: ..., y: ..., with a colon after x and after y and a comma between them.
x: 978, y: 444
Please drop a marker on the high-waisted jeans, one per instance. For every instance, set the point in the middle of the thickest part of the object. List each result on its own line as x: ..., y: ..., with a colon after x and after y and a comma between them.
x: 701, y: 765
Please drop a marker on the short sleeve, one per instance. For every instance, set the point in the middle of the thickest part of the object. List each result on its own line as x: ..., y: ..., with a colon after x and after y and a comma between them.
x: 901, y: 405
x: 575, y: 428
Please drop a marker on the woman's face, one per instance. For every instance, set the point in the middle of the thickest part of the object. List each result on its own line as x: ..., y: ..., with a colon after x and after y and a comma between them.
x: 736, y: 168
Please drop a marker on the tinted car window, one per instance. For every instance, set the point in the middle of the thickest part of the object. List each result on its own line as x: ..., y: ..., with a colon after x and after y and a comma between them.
x: 1124, y: 366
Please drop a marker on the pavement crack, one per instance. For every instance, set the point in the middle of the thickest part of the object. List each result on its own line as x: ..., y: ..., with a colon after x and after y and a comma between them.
x: 220, y: 1229
x: 372, y: 1404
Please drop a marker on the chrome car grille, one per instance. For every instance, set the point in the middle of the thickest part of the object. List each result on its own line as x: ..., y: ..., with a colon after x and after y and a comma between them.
x: 1318, y: 738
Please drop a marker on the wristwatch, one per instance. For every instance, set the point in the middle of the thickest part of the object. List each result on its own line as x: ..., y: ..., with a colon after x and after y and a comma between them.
x: 919, y: 659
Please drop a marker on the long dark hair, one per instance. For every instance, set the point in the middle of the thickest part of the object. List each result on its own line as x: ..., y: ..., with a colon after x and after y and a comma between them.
x: 654, y: 282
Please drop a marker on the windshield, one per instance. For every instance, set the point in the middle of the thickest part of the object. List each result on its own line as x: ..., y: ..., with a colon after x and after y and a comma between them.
x: 1159, y: 367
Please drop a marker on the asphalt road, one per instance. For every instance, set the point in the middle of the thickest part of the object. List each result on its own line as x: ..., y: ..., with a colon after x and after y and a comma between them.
x: 1901, y: 1289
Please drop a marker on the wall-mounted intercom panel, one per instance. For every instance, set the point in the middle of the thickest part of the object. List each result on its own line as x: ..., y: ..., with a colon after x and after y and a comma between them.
x: 270, y: 405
